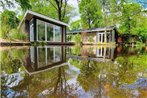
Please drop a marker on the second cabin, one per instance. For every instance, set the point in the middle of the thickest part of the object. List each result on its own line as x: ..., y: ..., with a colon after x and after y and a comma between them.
x: 96, y: 35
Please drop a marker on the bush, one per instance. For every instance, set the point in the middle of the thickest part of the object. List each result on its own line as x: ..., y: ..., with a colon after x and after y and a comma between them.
x: 9, y: 21
x: 15, y: 34
x: 77, y: 38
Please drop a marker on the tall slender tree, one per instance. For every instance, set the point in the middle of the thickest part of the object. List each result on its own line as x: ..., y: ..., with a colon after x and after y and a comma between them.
x: 90, y: 11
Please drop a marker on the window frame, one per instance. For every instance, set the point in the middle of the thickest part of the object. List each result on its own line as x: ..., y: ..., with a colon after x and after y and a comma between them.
x: 46, y: 33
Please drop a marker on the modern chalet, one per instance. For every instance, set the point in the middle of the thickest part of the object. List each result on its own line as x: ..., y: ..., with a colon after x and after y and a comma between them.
x: 96, y: 35
x: 41, y: 28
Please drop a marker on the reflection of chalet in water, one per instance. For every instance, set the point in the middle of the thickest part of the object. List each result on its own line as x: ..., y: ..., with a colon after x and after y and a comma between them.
x: 96, y: 35
x: 42, y: 28
x: 99, y: 54
x: 43, y: 58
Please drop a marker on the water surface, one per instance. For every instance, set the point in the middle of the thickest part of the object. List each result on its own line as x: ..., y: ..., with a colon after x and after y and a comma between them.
x: 73, y: 72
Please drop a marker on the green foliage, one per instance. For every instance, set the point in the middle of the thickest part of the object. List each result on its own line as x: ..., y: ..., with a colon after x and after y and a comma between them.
x: 137, y: 61
x: 130, y: 14
x: 77, y: 38
x: 90, y: 13
x: 76, y: 25
x: 24, y: 4
x: 44, y: 8
x: 49, y: 8
x: 8, y: 4
x: 12, y: 60
x: 9, y: 21
x: 15, y: 34
x: 76, y: 50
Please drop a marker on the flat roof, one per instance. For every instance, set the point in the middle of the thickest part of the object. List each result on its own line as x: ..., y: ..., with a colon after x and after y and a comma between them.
x: 29, y: 14
x: 91, y: 30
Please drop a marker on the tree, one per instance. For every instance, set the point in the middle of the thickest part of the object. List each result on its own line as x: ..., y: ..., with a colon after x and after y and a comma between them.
x: 60, y: 6
x: 9, y: 21
x: 24, y: 4
x: 58, y: 10
x: 77, y: 38
x: 76, y: 25
x: 130, y: 15
x: 90, y: 13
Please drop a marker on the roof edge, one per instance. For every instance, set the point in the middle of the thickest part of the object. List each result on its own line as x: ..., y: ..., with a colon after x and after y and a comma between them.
x: 90, y: 30
x: 43, y: 16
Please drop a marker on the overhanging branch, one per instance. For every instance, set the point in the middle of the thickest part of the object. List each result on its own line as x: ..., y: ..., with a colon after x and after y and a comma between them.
x: 52, y: 4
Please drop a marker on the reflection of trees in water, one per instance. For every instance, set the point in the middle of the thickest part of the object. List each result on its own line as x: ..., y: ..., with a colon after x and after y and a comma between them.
x: 105, y: 78
x: 53, y: 83
x: 98, y: 78
x: 12, y: 60
x: 11, y: 84
x: 90, y: 78
x: 61, y: 82
x: 12, y: 71
x: 61, y: 86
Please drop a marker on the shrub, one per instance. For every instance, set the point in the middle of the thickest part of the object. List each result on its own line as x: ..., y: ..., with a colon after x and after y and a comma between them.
x: 9, y: 21
x: 77, y: 38
x: 15, y: 34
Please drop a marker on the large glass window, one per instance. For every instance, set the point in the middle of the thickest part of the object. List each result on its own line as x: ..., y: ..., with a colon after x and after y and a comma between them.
x: 31, y: 30
x: 50, y: 32
x: 41, y: 30
x: 57, y: 33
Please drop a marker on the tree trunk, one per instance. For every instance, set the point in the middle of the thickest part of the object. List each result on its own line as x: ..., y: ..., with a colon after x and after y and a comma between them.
x: 89, y: 25
x: 59, y: 14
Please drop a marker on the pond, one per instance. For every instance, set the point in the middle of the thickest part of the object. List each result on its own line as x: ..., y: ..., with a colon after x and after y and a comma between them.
x: 73, y: 72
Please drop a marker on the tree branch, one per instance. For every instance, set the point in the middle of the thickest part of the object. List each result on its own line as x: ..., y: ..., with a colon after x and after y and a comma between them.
x: 64, y: 9
x: 53, y: 5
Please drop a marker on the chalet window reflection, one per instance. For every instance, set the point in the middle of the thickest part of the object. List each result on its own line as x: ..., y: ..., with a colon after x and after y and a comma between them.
x: 57, y: 55
x: 48, y: 55
x: 41, y: 57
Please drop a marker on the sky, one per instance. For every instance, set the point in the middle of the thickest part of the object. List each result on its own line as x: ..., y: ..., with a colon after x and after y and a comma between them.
x: 143, y: 3
x: 74, y: 3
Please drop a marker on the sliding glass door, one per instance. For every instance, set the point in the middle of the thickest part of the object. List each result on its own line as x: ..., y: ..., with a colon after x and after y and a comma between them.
x: 48, y: 32
x: 41, y: 30
x: 57, y: 33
